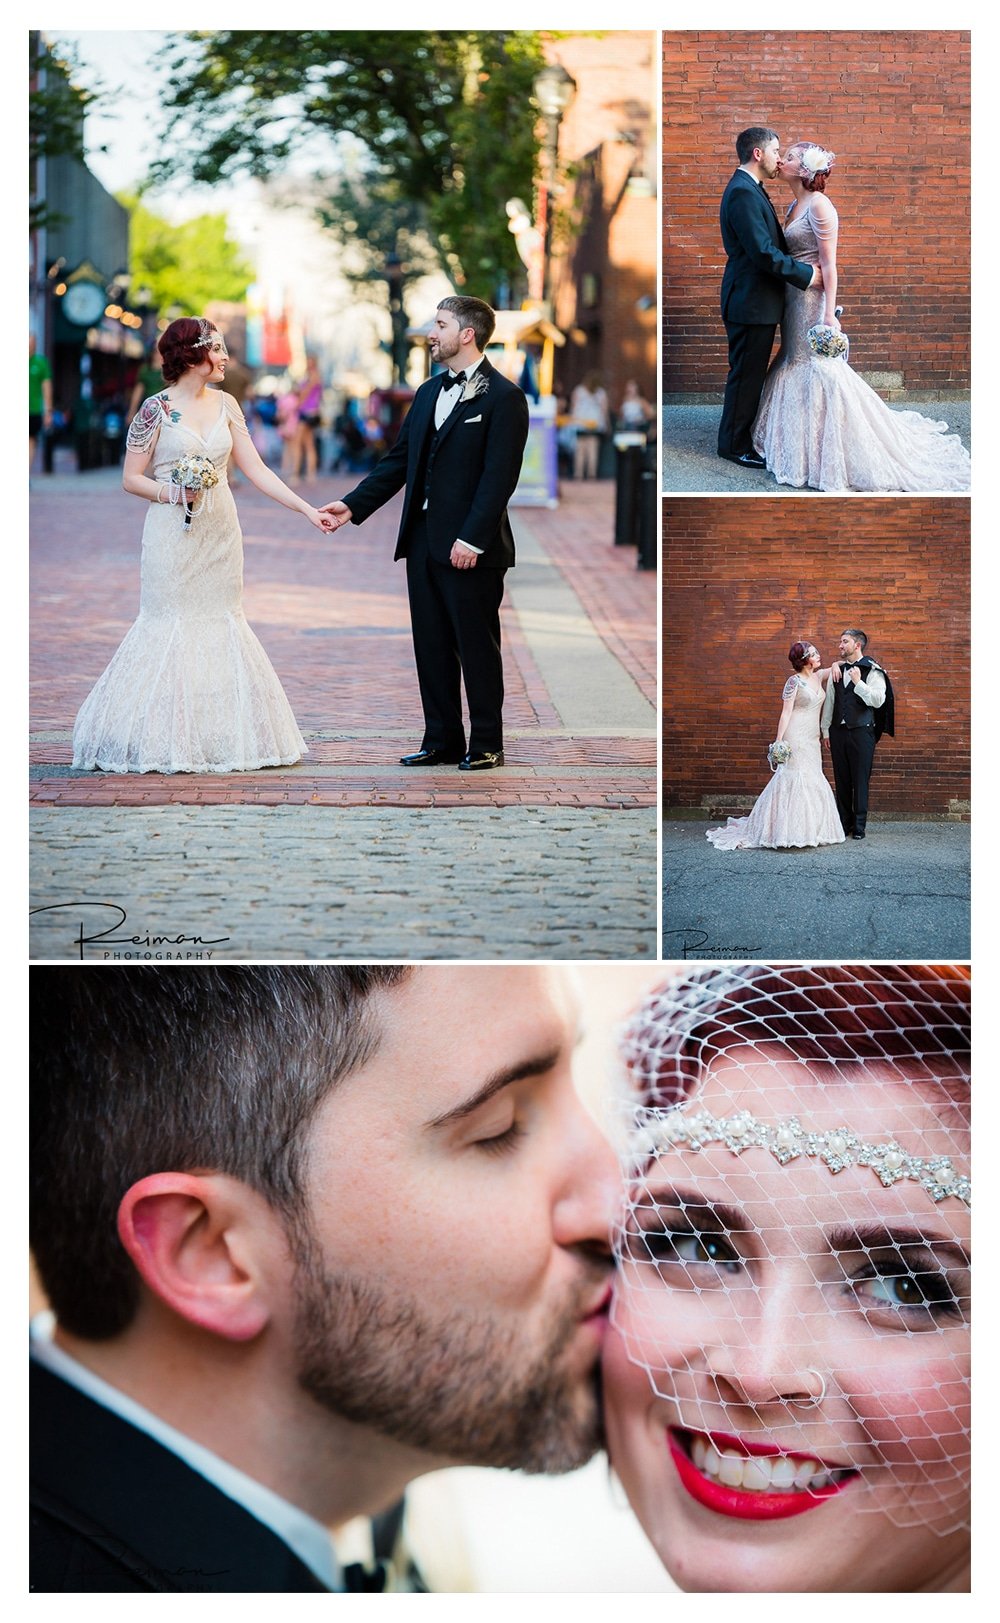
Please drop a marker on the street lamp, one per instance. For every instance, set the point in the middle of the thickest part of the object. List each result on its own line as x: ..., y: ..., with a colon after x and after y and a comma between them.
x: 554, y: 91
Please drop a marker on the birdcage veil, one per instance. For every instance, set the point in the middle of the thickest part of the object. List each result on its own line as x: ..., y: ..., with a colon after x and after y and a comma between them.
x: 795, y: 1236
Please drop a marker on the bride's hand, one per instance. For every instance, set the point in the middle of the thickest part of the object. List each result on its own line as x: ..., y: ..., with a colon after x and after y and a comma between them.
x: 835, y: 670
x: 322, y: 521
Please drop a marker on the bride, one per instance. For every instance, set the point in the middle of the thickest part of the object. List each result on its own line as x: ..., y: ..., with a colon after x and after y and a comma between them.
x: 797, y: 808
x: 819, y: 423
x: 190, y: 689
x: 787, y: 1370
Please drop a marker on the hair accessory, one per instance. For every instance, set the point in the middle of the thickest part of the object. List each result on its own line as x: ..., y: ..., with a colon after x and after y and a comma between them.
x: 659, y: 1131
x: 817, y: 160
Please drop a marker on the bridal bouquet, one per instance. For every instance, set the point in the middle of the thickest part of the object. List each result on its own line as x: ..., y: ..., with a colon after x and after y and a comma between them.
x: 193, y: 473
x: 778, y: 753
x: 825, y: 340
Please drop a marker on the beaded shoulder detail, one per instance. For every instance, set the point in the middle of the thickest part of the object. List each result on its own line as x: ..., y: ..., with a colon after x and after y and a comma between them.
x: 147, y: 422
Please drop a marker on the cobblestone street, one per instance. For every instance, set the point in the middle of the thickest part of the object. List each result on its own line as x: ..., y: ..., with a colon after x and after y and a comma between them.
x: 348, y: 854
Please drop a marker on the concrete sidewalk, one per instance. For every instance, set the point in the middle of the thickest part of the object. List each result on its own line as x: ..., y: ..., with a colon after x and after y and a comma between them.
x: 902, y: 893
x: 691, y: 461
x: 347, y: 853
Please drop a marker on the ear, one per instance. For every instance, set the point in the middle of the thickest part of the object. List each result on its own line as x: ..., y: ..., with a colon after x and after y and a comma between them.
x: 191, y: 1238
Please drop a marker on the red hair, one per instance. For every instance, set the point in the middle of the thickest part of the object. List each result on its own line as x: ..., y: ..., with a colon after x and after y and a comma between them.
x: 798, y: 655
x: 182, y: 346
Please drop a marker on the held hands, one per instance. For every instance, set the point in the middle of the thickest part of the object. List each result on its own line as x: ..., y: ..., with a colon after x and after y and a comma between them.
x: 336, y: 514
x: 320, y: 518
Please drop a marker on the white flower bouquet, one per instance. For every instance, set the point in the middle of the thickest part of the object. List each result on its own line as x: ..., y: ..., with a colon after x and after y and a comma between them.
x: 824, y: 340
x: 194, y: 473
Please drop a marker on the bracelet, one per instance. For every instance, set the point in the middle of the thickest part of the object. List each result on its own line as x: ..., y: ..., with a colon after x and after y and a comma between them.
x: 160, y: 486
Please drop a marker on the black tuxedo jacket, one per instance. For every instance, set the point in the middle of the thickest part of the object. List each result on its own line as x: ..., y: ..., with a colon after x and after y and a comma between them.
x: 112, y: 1510
x: 758, y: 263
x: 476, y: 467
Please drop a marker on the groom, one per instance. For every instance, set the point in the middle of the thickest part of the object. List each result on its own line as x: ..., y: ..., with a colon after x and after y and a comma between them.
x: 857, y: 710
x: 753, y: 287
x: 459, y: 455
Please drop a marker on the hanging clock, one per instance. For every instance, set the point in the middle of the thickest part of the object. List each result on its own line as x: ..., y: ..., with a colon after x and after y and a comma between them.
x: 83, y: 303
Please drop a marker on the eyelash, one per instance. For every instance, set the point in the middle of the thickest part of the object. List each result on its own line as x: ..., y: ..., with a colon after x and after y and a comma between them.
x: 659, y: 1246
x: 503, y: 1142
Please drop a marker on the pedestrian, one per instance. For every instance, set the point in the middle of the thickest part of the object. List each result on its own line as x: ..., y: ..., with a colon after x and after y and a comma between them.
x: 589, y: 409
x: 288, y: 430
x: 39, y: 398
x: 634, y: 414
x: 310, y: 393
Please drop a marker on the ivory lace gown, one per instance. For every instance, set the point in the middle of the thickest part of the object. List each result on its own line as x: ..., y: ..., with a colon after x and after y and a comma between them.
x: 797, y: 807
x: 190, y: 689
x: 819, y: 423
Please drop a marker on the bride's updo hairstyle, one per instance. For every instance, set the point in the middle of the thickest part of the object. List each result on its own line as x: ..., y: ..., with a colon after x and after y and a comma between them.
x: 798, y: 655
x: 183, y: 345
x: 816, y: 164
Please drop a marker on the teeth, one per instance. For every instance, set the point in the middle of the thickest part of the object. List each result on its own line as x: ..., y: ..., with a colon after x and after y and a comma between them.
x: 761, y: 1473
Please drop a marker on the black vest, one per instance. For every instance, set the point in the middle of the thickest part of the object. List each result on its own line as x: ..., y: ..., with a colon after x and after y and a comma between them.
x: 848, y: 709
x: 428, y: 452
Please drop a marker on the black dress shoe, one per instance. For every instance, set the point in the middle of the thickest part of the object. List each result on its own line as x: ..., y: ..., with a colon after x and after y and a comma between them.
x: 481, y: 762
x: 858, y: 834
x: 430, y: 758
x: 748, y: 459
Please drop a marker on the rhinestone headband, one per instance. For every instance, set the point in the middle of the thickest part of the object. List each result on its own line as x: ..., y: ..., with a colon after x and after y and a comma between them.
x: 207, y: 334
x: 663, y: 1130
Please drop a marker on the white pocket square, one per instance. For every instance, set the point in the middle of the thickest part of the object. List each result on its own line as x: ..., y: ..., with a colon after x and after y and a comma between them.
x: 469, y: 420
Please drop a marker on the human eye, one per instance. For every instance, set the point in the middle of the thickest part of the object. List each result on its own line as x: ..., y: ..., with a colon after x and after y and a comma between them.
x: 502, y: 1141
x: 911, y: 1290
x: 667, y: 1239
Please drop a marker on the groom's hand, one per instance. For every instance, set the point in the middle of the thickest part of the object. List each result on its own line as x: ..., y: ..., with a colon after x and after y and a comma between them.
x: 463, y: 557
x: 339, y: 512
x: 817, y: 277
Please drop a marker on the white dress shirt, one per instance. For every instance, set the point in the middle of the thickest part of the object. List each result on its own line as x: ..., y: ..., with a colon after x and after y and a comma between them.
x: 444, y: 405
x: 871, y: 693
x: 308, y: 1538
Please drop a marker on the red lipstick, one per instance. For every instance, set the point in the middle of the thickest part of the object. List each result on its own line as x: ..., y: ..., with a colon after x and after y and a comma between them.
x: 745, y: 1504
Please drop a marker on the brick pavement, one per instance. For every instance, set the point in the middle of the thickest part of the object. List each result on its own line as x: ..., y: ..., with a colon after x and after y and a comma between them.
x: 567, y: 830
x: 333, y: 617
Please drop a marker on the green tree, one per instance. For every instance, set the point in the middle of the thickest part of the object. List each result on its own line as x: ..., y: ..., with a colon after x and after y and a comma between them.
x: 56, y: 109
x: 446, y: 118
x: 186, y: 265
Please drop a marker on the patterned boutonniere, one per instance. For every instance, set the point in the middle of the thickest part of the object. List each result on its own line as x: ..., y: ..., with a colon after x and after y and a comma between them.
x: 475, y: 386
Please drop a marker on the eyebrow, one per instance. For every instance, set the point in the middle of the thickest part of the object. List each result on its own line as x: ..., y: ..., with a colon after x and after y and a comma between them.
x: 702, y: 1210
x: 881, y: 1237
x: 705, y: 1212
x: 536, y: 1065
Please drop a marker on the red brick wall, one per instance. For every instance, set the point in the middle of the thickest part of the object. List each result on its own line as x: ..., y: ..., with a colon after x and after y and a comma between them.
x: 614, y: 225
x: 743, y: 580
x: 894, y: 107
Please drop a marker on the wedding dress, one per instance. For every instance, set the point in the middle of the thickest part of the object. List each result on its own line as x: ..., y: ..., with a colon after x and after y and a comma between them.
x: 190, y: 689
x: 819, y: 423
x: 797, y: 807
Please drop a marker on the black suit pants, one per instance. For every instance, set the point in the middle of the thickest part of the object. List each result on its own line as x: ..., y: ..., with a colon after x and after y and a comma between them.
x: 456, y: 634
x: 749, y: 353
x: 853, y: 753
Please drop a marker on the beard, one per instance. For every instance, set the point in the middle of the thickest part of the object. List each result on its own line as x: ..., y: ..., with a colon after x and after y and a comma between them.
x: 467, y: 1392
x: 445, y: 348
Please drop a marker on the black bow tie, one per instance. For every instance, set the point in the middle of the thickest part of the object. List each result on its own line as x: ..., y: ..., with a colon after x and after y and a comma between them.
x: 452, y: 379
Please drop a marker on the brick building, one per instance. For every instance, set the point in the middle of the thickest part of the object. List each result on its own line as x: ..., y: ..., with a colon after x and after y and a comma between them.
x: 894, y: 107
x: 604, y: 267
x: 743, y: 580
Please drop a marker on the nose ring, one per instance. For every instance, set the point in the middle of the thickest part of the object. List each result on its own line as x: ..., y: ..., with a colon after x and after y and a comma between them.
x: 810, y: 1402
